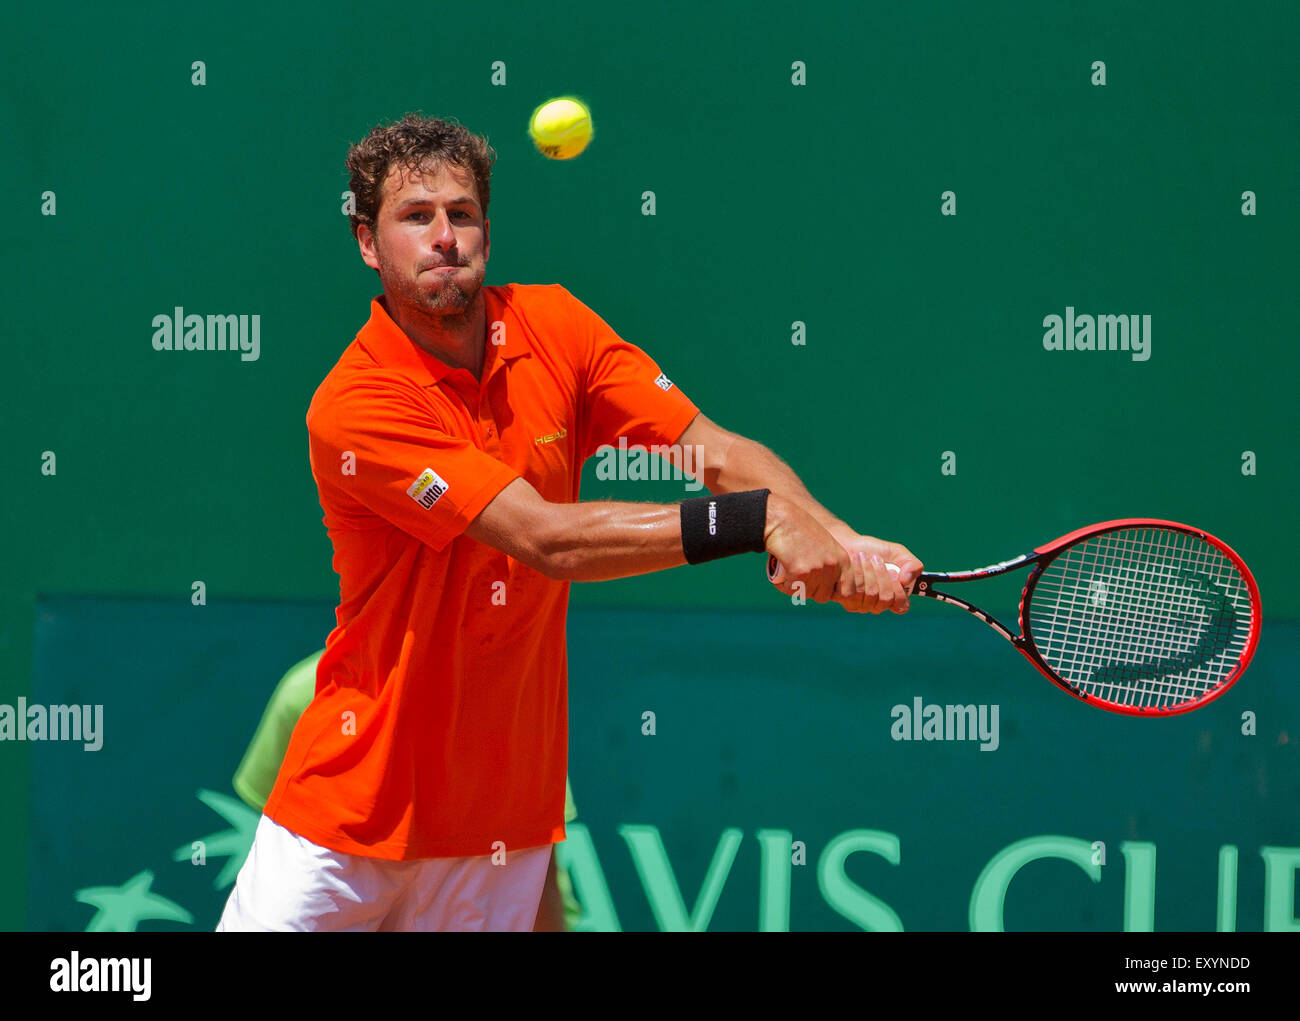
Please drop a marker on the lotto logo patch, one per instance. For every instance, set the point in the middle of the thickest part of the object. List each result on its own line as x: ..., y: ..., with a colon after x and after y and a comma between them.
x: 428, y: 488
x: 663, y: 382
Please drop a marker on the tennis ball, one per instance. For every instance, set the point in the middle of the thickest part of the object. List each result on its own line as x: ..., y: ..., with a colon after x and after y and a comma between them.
x: 561, y: 128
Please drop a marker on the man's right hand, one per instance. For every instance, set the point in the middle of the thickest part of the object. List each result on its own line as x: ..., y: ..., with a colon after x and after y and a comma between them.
x: 809, y: 554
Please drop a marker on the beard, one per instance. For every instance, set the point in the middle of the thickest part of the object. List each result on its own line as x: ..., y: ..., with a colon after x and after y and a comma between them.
x: 451, y: 299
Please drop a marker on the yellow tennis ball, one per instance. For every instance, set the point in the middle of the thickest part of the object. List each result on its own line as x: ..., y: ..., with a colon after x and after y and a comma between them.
x: 561, y: 128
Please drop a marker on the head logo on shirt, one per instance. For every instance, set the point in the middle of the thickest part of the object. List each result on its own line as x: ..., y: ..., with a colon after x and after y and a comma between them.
x: 428, y: 488
x: 663, y: 382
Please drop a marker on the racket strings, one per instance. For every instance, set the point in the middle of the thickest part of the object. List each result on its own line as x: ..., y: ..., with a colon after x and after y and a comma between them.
x: 1141, y: 617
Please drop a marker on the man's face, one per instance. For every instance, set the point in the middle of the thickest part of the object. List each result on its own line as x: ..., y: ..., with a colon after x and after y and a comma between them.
x: 431, y: 244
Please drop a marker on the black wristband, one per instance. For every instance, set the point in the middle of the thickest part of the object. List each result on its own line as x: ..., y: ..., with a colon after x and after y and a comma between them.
x: 723, y: 525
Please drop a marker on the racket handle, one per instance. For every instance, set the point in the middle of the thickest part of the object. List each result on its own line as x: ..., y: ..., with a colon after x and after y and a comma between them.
x: 775, y: 572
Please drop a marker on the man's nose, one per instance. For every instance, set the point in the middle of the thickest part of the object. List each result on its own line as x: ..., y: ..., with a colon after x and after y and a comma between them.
x: 443, y: 235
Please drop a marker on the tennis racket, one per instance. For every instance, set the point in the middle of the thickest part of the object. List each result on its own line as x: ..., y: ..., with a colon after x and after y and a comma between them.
x: 1135, y: 616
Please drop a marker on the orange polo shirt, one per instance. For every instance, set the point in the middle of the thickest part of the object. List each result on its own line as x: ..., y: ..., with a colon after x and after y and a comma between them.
x: 440, y: 722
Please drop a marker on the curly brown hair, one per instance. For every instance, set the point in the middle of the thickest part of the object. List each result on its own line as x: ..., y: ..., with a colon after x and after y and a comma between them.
x: 414, y: 143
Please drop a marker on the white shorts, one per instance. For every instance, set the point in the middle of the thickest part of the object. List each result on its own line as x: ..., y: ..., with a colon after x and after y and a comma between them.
x: 289, y: 884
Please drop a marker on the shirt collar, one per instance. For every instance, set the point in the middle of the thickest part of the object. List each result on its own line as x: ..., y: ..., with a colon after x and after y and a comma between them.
x: 384, y: 341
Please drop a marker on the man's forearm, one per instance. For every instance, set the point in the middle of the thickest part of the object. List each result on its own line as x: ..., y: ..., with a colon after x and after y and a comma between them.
x: 600, y: 540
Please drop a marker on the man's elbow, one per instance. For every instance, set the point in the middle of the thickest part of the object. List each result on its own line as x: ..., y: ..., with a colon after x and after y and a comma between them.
x: 551, y: 550
x: 537, y: 534
x: 559, y: 565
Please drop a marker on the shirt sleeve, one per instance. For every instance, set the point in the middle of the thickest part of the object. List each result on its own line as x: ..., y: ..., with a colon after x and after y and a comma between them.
x: 625, y: 392
x: 381, y: 444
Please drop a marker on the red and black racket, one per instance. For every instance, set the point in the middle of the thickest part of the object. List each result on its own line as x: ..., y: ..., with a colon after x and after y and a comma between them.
x: 1135, y: 616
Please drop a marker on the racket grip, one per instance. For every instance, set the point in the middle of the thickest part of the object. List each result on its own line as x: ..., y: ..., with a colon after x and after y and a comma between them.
x: 775, y: 572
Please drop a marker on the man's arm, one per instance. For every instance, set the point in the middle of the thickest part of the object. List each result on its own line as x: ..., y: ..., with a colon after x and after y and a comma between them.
x: 598, y: 540
x: 730, y: 463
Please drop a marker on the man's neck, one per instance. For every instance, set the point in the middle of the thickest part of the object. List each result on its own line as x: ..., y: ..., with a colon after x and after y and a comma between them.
x: 459, y: 340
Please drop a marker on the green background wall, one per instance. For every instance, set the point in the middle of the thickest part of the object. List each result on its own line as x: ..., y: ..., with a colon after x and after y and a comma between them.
x: 775, y: 204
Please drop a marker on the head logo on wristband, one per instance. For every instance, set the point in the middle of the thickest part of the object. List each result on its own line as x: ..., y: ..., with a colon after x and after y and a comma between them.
x: 723, y: 525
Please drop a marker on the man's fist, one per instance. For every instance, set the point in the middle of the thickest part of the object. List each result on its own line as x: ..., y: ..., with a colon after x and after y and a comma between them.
x: 883, y: 572
x: 808, y: 553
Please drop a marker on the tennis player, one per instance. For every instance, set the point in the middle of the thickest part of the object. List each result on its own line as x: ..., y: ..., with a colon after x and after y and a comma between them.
x: 424, y: 785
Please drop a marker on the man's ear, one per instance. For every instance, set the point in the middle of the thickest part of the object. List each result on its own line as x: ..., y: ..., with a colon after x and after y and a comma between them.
x: 366, y: 243
x: 487, y: 240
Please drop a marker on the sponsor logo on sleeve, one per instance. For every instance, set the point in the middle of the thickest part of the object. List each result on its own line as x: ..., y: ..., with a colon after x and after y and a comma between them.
x: 428, y: 488
x: 663, y: 382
